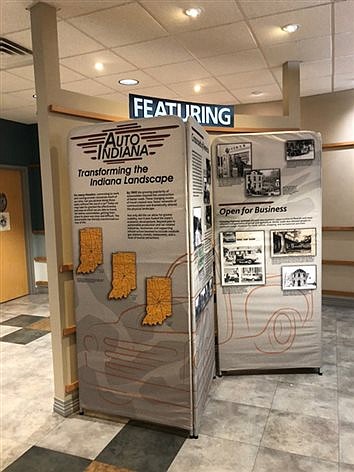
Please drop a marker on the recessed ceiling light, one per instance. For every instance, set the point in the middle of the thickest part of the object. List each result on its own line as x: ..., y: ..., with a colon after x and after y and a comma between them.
x: 193, y: 12
x: 257, y: 93
x: 291, y: 28
x: 129, y: 82
x: 99, y: 66
x: 197, y: 88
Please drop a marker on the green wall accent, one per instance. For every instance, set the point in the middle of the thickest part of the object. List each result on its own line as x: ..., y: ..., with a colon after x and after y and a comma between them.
x: 19, y: 147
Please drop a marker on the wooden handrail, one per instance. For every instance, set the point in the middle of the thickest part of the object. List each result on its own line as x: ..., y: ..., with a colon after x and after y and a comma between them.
x: 72, y: 387
x: 69, y: 330
x: 338, y: 293
x: 336, y: 262
x: 84, y: 114
x: 66, y: 268
x: 343, y: 145
x: 40, y: 259
x: 338, y: 228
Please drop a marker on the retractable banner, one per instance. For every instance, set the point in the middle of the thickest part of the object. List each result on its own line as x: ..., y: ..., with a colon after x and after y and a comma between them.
x: 133, y: 269
x: 267, y: 200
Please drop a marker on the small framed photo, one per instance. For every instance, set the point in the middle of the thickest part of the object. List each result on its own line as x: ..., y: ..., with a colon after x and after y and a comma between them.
x: 301, y: 277
x: 263, y: 183
x: 300, y: 150
x: 197, y: 227
x: 293, y: 242
x: 233, y: 160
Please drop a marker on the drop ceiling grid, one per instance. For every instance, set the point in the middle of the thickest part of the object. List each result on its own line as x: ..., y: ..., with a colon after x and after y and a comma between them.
x: 254, y: 58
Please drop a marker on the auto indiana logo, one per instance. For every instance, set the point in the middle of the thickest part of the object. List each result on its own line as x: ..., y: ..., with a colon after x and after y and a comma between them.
x: 129, y: 141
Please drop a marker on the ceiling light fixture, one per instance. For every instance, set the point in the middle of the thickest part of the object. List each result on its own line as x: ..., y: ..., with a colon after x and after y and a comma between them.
x: 291, y: 28
x: 197, y: 88
x: 129, y: 82
x: 193, y: 12
x: 99, y: 66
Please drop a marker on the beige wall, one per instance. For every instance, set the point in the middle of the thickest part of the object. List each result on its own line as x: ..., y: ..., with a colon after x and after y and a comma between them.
x: 333, y: 116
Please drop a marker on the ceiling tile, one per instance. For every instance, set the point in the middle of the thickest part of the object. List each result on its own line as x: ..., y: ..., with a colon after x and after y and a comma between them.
x: 72, y: 42
x: 234, y: 63
x: 11, y: 83
x: 14, y: 15
x: 315, y: 86
x: 343, y: 81
x: 344, y: 17
x: 87, y: 87
x: 251, y: 79
x: 115, y: 96
x: 344, y: 65
x: 25, y: 115
x: 84, y: 64
x: 67, y: 75
x: 181, y: 72
x: 118, y: 26
x: 344, y: 44
x: 26, y: 96
x: 26, y: 72
x: 154, y: 53
x: 270, y: 93
x: 24, y: 38
x: 314, y: 22
x: 159, y: 91
x: 224, y: 98
x: 255, y: 9
x: 308, y: 70
x: 171, y: 14
x: 218, y: 40
x: 10, y: 100
x: 69, y: 9
x: 209, y: 85
x: 306, y: 50
x: 111, y: 81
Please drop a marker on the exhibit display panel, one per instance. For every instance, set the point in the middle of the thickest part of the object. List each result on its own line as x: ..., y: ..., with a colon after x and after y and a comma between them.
x: 268, y: 223
x: 140, y: 264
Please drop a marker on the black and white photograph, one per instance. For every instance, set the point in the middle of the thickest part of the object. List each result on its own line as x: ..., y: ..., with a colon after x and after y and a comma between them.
x: 206, y: 193
x: 208, y: 217
x: 207, y: 178
x: 263, y: 183
x: 233, y: 161
x: 197, y: 227
x: 241, y: 250
x: 251, y: 274
x: 300, y: 150
x: 293, y: 242
x: 299, y: 277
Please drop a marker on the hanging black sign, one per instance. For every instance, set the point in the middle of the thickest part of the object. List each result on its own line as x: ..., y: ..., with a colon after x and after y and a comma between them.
x: 205, y: 114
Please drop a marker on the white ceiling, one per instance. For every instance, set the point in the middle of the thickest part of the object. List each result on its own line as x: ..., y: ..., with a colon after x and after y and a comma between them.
x: 234, y: 48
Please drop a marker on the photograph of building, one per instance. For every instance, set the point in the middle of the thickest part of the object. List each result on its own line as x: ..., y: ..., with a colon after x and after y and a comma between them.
x: 262, y: 182
x: 233, y: 160
x: 293, y: 242
x: 299, y: 277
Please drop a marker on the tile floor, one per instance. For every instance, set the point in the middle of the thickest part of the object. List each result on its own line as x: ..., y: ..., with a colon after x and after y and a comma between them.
x: 254, y: 423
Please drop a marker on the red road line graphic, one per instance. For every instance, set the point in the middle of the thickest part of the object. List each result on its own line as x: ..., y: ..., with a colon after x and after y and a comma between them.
x: 89, y: 135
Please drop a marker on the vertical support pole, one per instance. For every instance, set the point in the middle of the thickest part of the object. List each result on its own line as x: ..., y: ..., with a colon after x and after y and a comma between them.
x: 47, y: 77
x: 291, y: 92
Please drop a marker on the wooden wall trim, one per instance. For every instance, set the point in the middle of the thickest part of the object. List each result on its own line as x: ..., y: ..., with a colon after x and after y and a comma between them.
x: 72, y: 387
x: 343, y: 145
x: 40, y: 259
x: 336, y: 262
x: 66, y: 268
x: 338, y: 293
x: 338, y: 228
x: 84, y: 114
x: 69, y: 330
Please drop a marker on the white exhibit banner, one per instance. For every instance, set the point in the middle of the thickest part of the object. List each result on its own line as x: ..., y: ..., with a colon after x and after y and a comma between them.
x: 142, y: 353
x: 268, y: 223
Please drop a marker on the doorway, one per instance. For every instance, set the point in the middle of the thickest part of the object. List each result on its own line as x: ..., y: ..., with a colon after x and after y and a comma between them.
x: 13, y: 253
